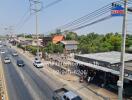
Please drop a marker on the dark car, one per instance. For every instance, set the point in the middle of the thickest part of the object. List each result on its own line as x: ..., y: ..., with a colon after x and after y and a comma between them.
x: 20, y: 63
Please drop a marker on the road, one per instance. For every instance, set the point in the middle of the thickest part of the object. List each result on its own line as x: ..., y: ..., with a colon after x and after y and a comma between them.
x: 27, y: 83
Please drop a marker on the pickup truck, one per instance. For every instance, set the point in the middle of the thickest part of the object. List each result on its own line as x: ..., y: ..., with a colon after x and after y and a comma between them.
x: 64, y: 94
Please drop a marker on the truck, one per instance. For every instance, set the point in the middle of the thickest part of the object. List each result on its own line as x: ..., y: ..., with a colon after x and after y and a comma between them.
x: 64, y: 94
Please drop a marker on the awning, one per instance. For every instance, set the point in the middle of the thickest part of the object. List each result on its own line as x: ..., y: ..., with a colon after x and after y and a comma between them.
x: 101, y: 68
x: 97, y: 67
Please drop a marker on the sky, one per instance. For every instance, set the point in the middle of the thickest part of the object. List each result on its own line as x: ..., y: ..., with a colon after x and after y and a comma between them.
x: 13, y: 13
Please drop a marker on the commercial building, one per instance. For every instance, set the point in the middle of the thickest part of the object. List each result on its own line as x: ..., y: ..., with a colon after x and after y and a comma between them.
x: 103, y: 69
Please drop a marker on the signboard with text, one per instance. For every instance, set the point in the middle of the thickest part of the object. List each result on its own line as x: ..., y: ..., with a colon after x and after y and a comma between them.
x: 117, y: 10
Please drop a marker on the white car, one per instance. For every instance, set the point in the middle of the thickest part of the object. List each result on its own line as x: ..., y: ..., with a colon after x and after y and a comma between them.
x: 38, y: 64
x: 7, y: 60
x: 15, y: 54
x: 2, y: 52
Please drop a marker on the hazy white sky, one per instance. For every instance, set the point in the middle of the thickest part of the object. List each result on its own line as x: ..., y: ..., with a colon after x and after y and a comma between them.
x: 65, y: 11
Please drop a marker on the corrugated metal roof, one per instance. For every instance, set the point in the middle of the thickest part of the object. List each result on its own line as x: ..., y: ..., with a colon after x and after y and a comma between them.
x: 69, y: 42
x: 111, y: 57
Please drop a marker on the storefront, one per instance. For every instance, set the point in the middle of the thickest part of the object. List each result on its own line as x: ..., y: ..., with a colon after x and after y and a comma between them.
x: 102, y: 69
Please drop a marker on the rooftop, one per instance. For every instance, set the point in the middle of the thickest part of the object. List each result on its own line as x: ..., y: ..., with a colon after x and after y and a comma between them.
x: 69, y: 42
x: 57, y: 38
x: 110, y: 57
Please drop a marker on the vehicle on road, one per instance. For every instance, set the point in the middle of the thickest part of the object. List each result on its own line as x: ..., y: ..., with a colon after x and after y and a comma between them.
x: 7, y: 60
x: 0, y: 45
x: 14, y: 54
x: 20, y: 63
x: 38, y: 64
x: 2, y: 51
x: 64, y: 94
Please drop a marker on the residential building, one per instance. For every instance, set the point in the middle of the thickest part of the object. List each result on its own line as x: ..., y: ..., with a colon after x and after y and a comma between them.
x: 69, y: 45
x: 57, y: 38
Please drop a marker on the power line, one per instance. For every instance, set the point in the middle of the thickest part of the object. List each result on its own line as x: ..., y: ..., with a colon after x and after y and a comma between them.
x: 107, y: 9
x: 97, y: 21
x: 24, y: 20
x: 85, y: 17
x: 89, y: 17
x: 51, y: 4
x: 93, y: 17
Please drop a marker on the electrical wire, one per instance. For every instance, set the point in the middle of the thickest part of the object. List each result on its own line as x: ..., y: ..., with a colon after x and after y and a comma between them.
x: 24, y: 20
x: 93, y: 17
x: 77, y: 24
x: 51, y: 4
x: 85, y: 17
x: 97, y: 21
x: 100, y: 14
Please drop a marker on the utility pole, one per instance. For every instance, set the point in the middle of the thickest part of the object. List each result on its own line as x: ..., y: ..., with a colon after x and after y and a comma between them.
x: 121, y: 76
x: 25, y: 42
x: 36, y: 7
x: 37, y: 37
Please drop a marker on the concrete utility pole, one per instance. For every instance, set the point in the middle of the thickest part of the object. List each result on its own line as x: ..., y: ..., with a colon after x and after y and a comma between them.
x: 121, y: 76
x: 36, y: 7
x: 25, y: 43
x: 37, y: 37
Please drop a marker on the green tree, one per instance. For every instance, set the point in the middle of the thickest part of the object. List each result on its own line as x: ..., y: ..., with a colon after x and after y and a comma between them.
x: 71, y: 36
x: 53, y: 48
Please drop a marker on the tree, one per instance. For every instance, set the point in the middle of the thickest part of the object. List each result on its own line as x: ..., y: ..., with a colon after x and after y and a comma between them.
x: 28, y: 36
x: 53, y: 48
x: 71, y: 36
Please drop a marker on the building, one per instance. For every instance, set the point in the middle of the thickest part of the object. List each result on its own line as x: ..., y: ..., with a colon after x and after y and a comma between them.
x: 28, y: 41
x: 34, y: 42
x: 57, y: 38
x: 103, y: 69
x: 46, y: 40
x: 69, y: 45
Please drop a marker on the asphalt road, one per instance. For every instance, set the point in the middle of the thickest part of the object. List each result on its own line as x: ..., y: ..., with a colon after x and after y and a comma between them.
x: 15, y: 86
x: 27, y: 83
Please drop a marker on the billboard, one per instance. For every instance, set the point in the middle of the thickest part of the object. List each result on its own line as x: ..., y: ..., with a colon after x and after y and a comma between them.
x: 117, y: 10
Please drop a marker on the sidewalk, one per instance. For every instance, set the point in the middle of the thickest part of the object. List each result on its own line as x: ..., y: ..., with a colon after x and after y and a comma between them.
x: 88, y: 92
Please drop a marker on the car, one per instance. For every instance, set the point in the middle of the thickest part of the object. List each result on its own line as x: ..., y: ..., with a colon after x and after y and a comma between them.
x: 14, y: 54
x: 2, y: 51
x: 20, y: 63
x: 64, y: 94
x: 7, y: 60
x: 0, y: 45
x: 38, y: 64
